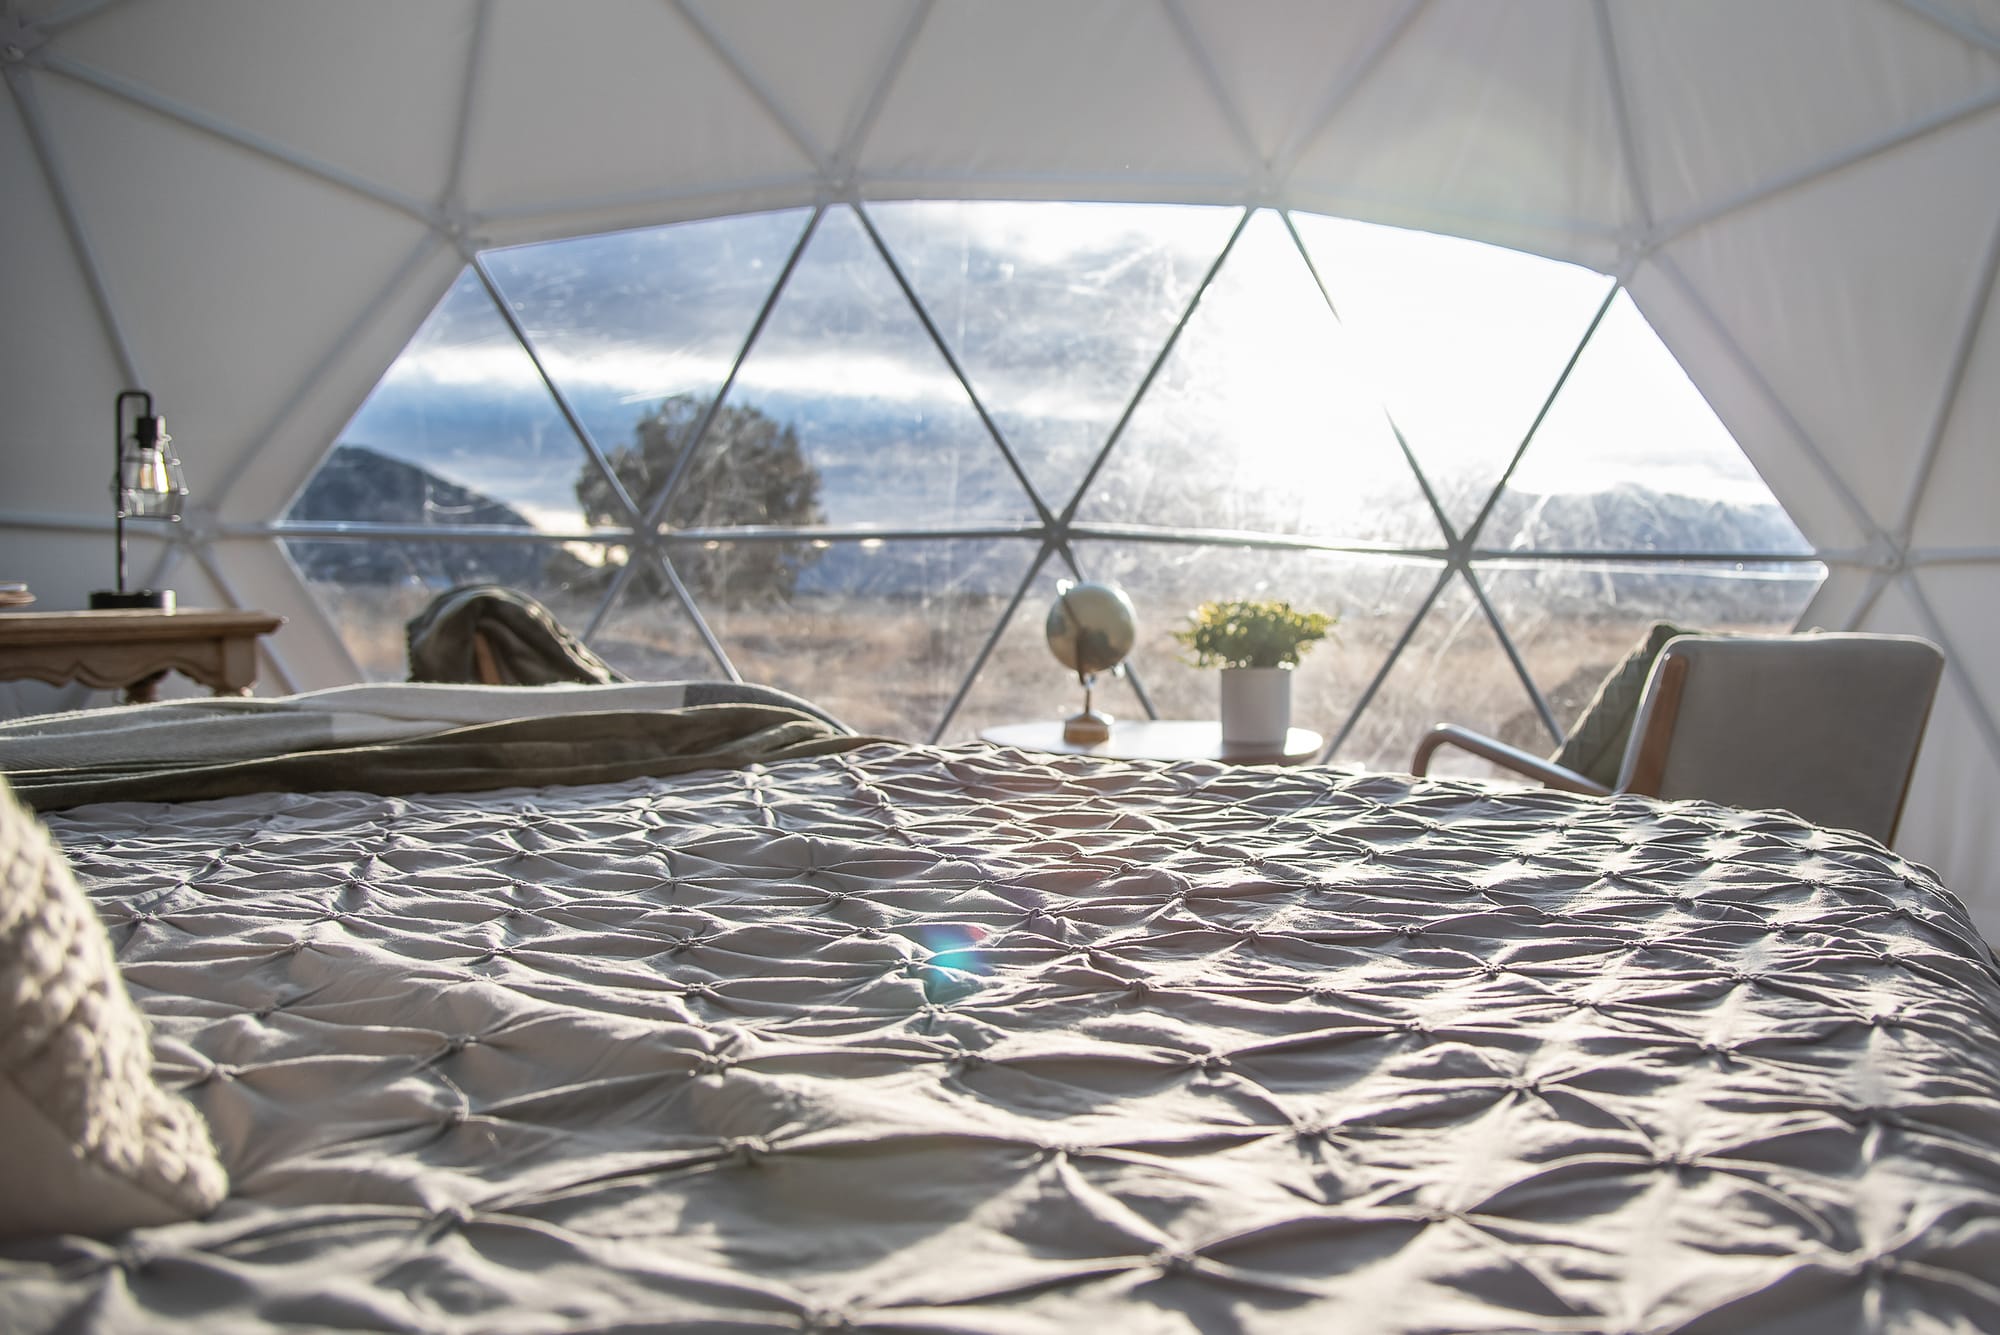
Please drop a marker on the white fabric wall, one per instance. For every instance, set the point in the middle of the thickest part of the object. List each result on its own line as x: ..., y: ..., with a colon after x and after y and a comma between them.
x: 247, y: 206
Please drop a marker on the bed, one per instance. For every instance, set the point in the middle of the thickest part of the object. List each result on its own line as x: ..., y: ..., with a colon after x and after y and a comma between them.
x: 892, y: 1037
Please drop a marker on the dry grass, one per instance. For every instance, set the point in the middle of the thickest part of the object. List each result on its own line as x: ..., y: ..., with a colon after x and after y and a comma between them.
x: 891, y: 666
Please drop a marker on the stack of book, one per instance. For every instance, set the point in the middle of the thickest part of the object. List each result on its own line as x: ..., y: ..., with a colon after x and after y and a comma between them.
x: 14, y: 594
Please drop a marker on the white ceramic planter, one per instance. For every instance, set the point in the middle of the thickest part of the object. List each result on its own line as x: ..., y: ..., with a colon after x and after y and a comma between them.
x: 1256, y: 706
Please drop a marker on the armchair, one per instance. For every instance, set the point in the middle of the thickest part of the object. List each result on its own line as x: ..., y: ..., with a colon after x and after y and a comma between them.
x: 1824, y: 725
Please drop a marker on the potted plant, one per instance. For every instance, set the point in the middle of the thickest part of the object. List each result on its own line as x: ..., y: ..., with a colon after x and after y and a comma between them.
x: 1256, y: 643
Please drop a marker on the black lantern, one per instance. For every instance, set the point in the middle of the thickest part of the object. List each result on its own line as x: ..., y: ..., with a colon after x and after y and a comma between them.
x: 146, y: 484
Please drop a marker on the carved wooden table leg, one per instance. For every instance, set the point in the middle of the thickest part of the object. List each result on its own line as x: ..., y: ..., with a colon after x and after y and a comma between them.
x: 145, y: 690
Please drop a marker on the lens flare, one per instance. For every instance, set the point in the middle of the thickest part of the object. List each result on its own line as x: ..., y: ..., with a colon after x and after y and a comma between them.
x: 955, y: 961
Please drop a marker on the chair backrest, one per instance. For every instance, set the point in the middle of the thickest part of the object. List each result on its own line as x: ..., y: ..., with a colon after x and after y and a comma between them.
x: 1826, y: 726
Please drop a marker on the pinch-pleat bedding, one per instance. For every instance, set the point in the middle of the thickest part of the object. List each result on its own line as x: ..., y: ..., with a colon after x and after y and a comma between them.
x: 963, y: 1039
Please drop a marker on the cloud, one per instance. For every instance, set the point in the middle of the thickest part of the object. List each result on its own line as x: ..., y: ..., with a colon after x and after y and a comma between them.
x: 1055, y: 311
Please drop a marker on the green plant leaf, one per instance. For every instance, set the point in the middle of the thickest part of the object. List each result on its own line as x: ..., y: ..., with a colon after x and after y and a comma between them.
x: 1265, y: 632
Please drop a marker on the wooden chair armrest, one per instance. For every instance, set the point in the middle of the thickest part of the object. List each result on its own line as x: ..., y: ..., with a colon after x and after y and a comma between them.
x: 1507, y: 757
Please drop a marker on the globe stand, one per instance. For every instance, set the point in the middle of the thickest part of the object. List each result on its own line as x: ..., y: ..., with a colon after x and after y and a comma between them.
x: 1090, y: 629
x: 1090, y: 727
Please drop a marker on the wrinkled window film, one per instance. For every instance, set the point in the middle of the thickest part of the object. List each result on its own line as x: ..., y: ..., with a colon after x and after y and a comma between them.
x: 1263, y: 419
x: 1055, y: 311
x: 844, y: 524
x: 880, y: 634
x: 1632, y: 458
x: 846, y: 372
x: 461, y: 430
x: 628, y: 321
x: 1464, y: 342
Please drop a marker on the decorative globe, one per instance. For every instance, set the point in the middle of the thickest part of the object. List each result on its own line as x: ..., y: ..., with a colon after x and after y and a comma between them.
x: 1091, y: 627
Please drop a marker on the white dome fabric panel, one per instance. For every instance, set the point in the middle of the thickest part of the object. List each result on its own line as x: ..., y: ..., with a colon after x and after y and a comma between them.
x: 248, y: 206
x: 628, y: 102
x: 393, y: 128
x: 1047, y: 101
x: 1481, y: 117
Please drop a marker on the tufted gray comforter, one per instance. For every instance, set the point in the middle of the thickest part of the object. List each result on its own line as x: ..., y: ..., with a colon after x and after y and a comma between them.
x: 921, y: 1039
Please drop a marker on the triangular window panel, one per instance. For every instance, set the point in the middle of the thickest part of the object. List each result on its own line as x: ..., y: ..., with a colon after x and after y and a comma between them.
x: 649, y: 636
x: 461, y: 430
x: 1632, y: 459
x: 1466, y: 341
x: 1054, y: 310
x: 1262, y: 419
x: 1453, y: 670
x: 627, y: 321
x: 861, y: 398
x: 879, y: 633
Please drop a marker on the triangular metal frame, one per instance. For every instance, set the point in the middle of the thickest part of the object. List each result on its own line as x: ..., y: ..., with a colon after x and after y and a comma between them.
x: 1887, y: 555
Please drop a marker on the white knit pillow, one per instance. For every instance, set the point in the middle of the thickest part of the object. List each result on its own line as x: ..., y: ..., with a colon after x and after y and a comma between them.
x: 88, y: 1143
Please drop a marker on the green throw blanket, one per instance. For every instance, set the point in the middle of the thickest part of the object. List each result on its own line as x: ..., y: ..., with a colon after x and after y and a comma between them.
x: 524, y: 643
x: 572, y: 748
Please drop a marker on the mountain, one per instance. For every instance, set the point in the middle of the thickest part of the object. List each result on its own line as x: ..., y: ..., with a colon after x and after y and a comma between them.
x: 359, y: 484
x: 1633, y: 518
x: 362, y: 484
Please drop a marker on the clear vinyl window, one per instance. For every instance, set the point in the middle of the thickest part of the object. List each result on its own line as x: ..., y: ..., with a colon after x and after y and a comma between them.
x: 849, y: 451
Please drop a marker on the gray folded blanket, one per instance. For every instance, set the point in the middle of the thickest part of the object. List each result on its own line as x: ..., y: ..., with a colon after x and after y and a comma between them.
x: 572, y: 748
x: 405, y: 737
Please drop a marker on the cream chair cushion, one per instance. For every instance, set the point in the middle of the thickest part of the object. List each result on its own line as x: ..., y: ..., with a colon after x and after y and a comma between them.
x: 1826, y: 726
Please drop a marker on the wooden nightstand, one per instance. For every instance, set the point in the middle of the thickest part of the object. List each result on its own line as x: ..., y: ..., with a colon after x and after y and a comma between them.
x: 130, y: 650
x: 1159, y: 739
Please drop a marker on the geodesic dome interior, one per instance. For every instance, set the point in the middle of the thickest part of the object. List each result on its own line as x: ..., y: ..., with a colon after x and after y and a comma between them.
x: 1503, y: 330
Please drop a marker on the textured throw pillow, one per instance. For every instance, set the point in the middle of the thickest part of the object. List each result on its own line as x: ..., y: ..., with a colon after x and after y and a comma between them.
x: 1595, y: 747
x: 88, y: 1143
